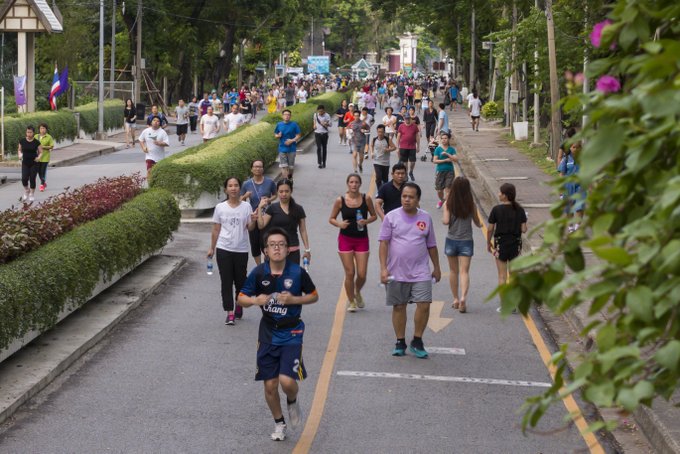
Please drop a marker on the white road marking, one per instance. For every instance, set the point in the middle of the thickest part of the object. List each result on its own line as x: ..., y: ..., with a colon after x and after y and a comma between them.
x: 495, y: 159
x: 537, y: 205
x: 446, y: 350
x: 482, y: 381
x: 512, y: 178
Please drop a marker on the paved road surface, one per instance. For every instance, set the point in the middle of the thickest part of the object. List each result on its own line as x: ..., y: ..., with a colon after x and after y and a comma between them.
x: 173, y: 378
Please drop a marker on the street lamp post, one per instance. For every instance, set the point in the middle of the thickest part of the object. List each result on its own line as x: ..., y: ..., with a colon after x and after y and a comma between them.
x: 100, y: 101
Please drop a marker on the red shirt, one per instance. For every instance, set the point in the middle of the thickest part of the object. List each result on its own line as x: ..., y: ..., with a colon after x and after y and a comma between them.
x: 407, y: 139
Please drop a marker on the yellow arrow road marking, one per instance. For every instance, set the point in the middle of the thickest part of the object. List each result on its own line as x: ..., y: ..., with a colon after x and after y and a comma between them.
x: 436, y: 322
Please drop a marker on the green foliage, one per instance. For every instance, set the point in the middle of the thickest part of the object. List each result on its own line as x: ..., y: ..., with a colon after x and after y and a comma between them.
x: 491, y: 110
x: 62, y: 126
x: 631, y: 168
x: 31, y: 297
x: 204, y: 168
x: 113, y: 115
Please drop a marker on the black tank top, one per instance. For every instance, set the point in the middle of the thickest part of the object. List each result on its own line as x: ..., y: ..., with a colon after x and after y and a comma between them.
x: 350, y: 214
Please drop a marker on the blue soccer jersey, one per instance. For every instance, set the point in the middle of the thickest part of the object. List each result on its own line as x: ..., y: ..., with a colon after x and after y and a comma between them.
x: 280, y: 325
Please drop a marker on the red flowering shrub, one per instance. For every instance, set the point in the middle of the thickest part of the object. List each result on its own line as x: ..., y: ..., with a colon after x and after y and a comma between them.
x: 29, y: 227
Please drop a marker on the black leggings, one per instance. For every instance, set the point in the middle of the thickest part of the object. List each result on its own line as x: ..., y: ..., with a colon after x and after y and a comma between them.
x: 321, y: 147
x: 382, y: 174
x: 42, y: 171
x: 429, y: 130
x: 29, y: 170
x: 192, y: 123
x: 233, y: 268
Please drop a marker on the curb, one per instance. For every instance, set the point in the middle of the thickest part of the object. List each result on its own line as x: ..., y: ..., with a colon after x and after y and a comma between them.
x: 658, y: 435
x: 8, y: 370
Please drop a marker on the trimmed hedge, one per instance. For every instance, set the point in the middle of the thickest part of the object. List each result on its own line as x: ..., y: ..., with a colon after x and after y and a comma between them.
x: 62, y: 126
x: 37, y: 286
x: 89, y: 116
x: 62, y: 123
x: 204, y: 168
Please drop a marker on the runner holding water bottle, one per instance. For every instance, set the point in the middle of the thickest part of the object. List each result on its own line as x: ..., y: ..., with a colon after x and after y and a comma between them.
x: 353, y: 248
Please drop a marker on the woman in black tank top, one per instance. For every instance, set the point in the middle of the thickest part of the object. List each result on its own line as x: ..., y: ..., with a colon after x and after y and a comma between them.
x: 357, y: 212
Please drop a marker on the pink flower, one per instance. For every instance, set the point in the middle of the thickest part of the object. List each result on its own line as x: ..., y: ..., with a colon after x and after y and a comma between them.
x: 596, y: 34
x: 608, y: 84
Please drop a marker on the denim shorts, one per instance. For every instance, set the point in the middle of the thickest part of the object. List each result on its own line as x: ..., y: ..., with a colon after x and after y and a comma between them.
x: 458, y: 248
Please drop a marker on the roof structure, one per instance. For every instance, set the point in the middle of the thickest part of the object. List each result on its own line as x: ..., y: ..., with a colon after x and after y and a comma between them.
x: 28, y: 16
x: 361, y: 64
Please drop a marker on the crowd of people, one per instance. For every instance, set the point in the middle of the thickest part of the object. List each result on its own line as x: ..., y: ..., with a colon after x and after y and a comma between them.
x: 262, y: 217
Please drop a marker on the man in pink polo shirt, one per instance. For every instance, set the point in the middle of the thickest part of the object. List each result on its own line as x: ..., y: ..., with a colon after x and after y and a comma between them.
x: 408, y: 139
x: 407, y: 244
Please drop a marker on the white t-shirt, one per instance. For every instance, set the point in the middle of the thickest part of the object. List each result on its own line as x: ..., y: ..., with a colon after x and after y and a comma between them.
x: 302, y: 96
x: 211, y: 126
x: 475, y: 107
x: 182, y: 114
x: 469, y: 100
x: 233, y: 121
x: 148, y: 136
x: 389, y: 126
x: 234, y: 226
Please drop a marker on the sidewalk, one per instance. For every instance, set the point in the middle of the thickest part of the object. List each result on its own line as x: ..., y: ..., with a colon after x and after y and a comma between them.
x: 493, y: 161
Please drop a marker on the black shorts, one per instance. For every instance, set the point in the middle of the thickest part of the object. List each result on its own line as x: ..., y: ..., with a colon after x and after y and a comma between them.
x: 181, y: 129
x: 508, y: 247
x: 407, y: 154
x: 255, y: 242
x: 275, y: 360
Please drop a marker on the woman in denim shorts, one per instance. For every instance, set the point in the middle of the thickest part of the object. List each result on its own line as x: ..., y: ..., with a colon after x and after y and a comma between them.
x: 459, y: 213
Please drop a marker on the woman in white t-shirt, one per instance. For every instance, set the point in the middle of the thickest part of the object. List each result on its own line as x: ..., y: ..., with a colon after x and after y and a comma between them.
x: 390, y: 122
x: 230, y: 242
x: 302, y: 95
x: 475, y: 110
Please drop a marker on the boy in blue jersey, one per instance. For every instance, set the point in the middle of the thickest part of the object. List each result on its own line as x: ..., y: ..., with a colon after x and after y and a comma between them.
x: 280, y: 288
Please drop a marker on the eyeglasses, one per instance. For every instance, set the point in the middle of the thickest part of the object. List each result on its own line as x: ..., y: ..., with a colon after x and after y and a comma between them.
x: 277, y: 245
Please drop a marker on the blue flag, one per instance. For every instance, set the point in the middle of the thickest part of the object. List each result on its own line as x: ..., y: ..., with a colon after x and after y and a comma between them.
x: 63, y: 82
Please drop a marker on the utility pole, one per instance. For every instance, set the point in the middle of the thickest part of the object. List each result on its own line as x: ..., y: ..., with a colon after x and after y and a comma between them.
x: 514, y: 85
x: 112, y: 76
x: 100, y: 101
x: 138, y: 57
x: 473, y: 38
x: 555, y: 113
x: 458, y: 52
x: 537, y: 104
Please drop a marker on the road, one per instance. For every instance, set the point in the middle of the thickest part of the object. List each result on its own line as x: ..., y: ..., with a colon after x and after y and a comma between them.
x: 173, y: 378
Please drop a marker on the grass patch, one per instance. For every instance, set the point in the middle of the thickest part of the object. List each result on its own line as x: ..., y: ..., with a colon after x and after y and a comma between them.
x: 537, y: 155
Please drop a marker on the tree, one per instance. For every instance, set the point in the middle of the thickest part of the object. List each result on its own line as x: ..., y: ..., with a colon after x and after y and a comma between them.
x: 630, y: 166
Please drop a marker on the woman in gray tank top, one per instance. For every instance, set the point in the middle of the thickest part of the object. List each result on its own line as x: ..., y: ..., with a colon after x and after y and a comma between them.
x: 459, y: 214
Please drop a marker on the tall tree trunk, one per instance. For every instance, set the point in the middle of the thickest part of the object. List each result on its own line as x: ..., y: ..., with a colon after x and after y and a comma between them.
x: 223, y: 66
x: 555, y: 113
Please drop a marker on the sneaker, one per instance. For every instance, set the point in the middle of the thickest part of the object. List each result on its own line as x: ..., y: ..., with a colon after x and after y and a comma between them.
x: 418, y: 349
x: 439, y: 204
x: 294, y: 414
x: 410, y: 175
x: 399, y: 349
x: 360, y: 301
x: 24, y: 197
x: 352, y: 306
x: 42, y: 188
x: 279, y: 433
x: 31, y: 198
x: 229, y: 320
x: 238, y: 312
x: 361, y: 168
x: 365, y: 155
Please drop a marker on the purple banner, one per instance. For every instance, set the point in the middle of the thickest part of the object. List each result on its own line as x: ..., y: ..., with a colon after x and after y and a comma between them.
x: 20, y: 90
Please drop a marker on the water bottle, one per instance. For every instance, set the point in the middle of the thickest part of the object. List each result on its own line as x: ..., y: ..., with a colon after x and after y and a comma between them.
x: 209, y: 267
x: 305, y: 264
x: 390, y: 279
x: 360, y: 217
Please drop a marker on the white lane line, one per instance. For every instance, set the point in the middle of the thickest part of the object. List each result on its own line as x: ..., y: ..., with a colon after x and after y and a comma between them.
x: 537, y: 205
x: 512, y: 178
x: 482, y: 381
x: 495, y: 159
x: 446, y: 350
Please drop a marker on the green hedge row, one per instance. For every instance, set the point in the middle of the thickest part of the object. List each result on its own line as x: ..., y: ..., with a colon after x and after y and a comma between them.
x: 113, y: 115
x: 62, y: 123
x: 203, y: 168
x: 32, y: 296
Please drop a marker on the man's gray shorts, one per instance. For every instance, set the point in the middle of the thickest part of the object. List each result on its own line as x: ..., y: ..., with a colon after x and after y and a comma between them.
x: 408, y: 292
x: 287, y: 159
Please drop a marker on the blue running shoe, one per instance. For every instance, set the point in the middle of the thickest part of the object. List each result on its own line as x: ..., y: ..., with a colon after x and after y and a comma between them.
x: 399, y: 349
x: 418, y: 349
